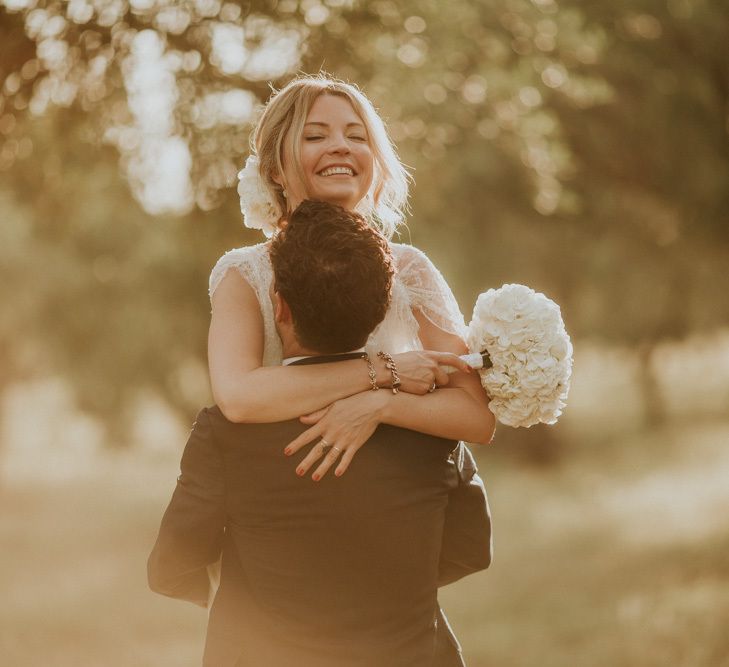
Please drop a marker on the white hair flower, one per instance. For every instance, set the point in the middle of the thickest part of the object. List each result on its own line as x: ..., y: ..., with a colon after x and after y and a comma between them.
x: 520, y: 333
x: 260, y: 210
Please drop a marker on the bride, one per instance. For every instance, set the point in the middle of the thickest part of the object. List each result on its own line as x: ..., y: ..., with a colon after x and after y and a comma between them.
x: 320, y: 138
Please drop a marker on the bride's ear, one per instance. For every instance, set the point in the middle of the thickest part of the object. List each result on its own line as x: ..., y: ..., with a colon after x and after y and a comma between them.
x: 278, y: 180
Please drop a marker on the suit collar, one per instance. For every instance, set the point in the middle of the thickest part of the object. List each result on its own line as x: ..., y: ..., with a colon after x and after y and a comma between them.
x: 326, y: 358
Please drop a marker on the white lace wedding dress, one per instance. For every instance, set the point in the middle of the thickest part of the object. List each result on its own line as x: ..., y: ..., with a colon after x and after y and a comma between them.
x: 417, y: 285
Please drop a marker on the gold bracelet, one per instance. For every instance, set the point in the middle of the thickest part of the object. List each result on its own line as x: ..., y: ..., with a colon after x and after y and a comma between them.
x: 390, y: 365
x: 371, y: 371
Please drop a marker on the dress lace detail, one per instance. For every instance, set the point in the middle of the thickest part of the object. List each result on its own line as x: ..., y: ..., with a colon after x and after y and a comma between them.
x: 427, y: 289
x: 254, y: 266
x: 418, y: 285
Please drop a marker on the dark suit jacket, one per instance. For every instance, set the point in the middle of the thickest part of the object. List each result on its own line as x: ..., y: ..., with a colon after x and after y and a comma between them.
x: 342, y: 572
x: 467, y: 539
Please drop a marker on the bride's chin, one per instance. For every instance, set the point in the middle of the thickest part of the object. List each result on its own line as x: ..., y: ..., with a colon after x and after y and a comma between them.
x: 345, y: 201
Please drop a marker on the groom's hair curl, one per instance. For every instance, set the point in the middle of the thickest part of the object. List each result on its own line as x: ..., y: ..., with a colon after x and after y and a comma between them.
x: 335, y: 272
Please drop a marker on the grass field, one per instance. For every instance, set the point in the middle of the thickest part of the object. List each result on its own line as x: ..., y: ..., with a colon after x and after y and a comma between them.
x: 620, y: 561
x: 617, y: 556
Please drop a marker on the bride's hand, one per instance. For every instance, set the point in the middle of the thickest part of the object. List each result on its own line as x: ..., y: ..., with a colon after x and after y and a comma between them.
x: 338, y: 431
x: 421, y: 370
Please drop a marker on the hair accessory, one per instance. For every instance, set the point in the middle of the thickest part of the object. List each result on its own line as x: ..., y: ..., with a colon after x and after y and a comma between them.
x: 390, y: 365
x: 259, y: 209
x: 371, y: 371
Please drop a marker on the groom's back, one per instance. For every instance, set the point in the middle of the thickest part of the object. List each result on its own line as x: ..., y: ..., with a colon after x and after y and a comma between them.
x: 339, y: 572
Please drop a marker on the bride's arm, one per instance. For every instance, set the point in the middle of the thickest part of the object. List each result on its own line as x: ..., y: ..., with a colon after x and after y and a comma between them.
x: 458, y: 411
x: 246, y: 391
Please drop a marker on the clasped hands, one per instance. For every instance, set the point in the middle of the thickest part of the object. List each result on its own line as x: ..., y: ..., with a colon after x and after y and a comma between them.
x: 340, y: 429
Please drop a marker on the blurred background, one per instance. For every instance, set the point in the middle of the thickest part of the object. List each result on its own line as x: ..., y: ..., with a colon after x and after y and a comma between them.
x: 577, y: 146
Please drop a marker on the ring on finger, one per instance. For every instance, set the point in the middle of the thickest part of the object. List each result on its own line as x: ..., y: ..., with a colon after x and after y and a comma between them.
x: 336, y: 449
x: 325, y: 446
x: 433, y: 387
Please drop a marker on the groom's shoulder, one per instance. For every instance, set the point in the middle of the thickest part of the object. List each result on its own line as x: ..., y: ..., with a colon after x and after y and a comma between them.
x: 212, y: 413
x: 222, y: 430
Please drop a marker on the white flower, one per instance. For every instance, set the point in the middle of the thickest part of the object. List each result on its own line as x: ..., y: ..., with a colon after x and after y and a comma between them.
x: 260, y: 210
x: 524, y: 335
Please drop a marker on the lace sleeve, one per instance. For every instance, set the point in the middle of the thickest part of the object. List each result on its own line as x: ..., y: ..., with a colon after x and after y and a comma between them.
x: 250, y: 262
x: 428, y: 291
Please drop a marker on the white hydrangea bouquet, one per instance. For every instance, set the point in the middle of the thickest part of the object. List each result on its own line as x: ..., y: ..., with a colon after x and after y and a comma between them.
x: 519, y: 343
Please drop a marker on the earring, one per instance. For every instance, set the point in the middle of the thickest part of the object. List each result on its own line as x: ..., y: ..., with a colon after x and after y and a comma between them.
x: 285, y: 194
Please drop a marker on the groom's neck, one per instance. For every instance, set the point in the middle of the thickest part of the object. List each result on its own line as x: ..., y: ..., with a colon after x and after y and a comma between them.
x: 296, y: 350
x: 290, y: 346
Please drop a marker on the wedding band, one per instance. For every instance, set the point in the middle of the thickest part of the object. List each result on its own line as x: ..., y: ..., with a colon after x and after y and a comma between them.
x: 336, y: 449
x: 432, y: 388
x: 325, y: 446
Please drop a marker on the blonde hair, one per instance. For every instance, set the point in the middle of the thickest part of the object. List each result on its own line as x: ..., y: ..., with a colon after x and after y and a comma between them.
x: 282, y: 123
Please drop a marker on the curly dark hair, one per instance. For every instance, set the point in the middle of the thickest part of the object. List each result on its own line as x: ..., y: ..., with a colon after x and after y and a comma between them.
x: 335, y: 272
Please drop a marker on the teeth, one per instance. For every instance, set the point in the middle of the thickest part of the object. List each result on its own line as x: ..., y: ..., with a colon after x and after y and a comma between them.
x: 337, y: 170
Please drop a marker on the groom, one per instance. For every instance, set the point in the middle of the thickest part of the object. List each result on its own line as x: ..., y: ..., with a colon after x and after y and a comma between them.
x: 343, y: 572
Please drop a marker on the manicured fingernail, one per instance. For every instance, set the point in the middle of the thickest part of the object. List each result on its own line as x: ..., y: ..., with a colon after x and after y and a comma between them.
x: 300, y: 472
x: 339, y: 473
x: 316, y: 477
x: 287, y: 451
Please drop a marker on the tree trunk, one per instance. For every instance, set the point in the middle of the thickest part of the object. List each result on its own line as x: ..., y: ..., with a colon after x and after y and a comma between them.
x: 654, y: 408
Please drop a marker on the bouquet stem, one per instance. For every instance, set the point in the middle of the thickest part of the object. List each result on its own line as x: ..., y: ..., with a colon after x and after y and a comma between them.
x: 476, y: 360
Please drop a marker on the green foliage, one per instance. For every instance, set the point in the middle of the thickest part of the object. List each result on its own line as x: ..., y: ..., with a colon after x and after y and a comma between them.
x: 99, y: 291
x: 579, y: 147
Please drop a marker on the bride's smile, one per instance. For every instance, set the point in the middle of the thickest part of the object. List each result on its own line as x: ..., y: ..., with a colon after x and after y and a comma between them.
x: 337, y: 170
